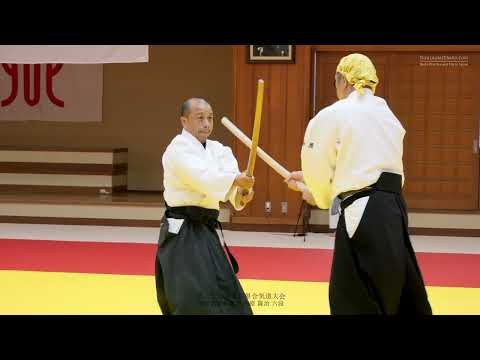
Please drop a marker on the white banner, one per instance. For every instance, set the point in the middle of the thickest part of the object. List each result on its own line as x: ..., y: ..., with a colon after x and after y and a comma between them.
x: 73, y: 54
x: 51, y: 92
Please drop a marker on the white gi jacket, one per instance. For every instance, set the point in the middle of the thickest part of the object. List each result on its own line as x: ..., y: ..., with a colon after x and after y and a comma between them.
x: 347, y: 146
x: 198, y: 176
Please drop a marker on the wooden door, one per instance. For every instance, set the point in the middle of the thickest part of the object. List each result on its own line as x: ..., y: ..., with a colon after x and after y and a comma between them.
x: 435, y: 100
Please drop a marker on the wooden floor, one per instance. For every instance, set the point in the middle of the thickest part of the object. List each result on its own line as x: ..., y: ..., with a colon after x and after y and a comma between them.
x: 132, y: 208
x: 129, y: 198
x: 143, y: 208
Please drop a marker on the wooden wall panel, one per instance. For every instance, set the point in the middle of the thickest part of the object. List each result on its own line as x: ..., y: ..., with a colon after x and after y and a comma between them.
x: 285, y: 115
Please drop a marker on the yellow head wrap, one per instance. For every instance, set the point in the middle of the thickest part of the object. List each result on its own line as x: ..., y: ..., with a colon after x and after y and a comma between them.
x: 359, y: 71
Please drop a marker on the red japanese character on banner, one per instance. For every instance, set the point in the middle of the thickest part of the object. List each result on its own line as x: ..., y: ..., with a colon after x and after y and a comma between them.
x: 28, y: 88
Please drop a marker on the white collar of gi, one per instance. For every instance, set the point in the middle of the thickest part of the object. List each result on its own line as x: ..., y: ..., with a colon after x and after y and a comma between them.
x: 355, y: 93
x: 192, y: 138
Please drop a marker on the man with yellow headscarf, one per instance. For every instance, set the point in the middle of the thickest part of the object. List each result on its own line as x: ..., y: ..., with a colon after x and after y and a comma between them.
x: 352, y: 153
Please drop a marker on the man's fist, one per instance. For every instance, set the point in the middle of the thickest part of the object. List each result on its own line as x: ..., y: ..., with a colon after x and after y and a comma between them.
x: 244, y: 181
x: 296, y: 175
x: 293, y: 179
x: 245, y: 196
x: 293, y: 185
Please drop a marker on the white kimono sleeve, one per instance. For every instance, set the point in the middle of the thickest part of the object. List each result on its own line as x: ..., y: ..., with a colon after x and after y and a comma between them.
x: 195, y: 172
x: 229, y: 164
x: 319, y: 157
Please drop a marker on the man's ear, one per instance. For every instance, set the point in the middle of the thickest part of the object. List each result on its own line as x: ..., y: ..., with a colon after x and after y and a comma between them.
x: 183, y: 120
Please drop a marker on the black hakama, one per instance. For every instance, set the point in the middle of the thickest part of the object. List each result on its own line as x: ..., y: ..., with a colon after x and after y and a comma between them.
x: 376, y: 271
x: 192, y: 272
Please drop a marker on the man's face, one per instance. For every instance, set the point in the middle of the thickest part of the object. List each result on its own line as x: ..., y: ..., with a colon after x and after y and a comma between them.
x: 341, y: 86
x: 199, y: 121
